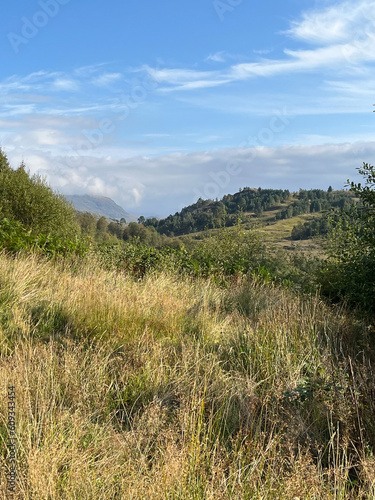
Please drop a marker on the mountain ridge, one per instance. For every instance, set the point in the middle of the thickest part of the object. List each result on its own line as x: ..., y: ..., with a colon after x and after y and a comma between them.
x: 100, y: 205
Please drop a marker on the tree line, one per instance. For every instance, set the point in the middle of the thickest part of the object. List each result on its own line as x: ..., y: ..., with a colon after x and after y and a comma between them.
x: 248, y: 204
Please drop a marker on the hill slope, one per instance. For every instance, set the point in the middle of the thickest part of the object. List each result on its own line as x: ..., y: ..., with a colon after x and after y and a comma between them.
x: 248, y: 205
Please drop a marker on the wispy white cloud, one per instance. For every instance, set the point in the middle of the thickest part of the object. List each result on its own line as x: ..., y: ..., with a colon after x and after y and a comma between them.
x: 42, y: 137
x: 17, y: 109
x: 65, y: 85
x: 217, y: 57
x: 337, y: 23
x: 107, y: 79
x: 343, y: 36
x: 262, y: 52
x: 353, y: 88
x: 339, y: 57
x: 177, y: 76
x: 207, y: 139
x: 57, y: 82
x: 89, y: 70
x: 198, y: 84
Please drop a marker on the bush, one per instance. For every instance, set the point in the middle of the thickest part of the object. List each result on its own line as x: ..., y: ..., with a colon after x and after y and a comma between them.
x: 30, y: 201
x: 16, y: 238
x: 229, y: 252
x: 349, y: 272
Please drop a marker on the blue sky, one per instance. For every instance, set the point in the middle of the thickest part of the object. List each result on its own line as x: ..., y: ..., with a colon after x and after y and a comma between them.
x: 157, y: 103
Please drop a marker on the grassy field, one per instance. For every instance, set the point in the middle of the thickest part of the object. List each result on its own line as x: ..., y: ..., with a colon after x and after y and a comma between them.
x: 276, y: 234
x: 171, y: 388
x: 282, y: 229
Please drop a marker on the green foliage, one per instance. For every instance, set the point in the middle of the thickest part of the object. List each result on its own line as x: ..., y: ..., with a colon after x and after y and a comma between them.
x: 294, y: 270
x: 116, y: 229
x: 314, y: 201
x: 366, y: 193
x: 29, y: 200
x: 102, y: 225
x: 349, y: 272
x: 138, y: 232
x: 231, y: 251
x: 319, y: 226
x: 87, y: 223
x: 222, y: 257
x: 14, y: 237
x: 136, y: 258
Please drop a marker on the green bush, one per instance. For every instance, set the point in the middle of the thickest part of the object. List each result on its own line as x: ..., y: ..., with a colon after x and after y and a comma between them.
x: 349, y: 272
x: 30, y: 201
x: 231, y: 251
x: 14, y: 237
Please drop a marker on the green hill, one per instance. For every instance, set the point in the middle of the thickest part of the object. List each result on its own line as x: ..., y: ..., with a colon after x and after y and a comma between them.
x: 249, y: 206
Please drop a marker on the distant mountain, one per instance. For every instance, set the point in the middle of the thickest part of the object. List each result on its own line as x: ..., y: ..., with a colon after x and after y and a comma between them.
x: 100, y: 205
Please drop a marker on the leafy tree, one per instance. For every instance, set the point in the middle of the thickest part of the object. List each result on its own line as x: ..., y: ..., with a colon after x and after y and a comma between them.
x: 102, y: 225
x: 15, y: 238
x: 116, y: 229
x: 4, y: 163
x: 87, y: 223
x: 135, y: 231
x: 349, y: 272
x: 29, y: 200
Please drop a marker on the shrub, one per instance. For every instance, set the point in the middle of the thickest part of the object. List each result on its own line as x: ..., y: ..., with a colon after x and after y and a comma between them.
x: 349, y: 272
x: 30, y: 201
x: 14, y: 237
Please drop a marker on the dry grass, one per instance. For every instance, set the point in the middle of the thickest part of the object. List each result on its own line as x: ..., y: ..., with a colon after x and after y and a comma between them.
x: 173, y: 389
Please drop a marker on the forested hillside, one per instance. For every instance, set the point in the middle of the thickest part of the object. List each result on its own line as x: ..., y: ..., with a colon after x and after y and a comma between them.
x: 249, y: 204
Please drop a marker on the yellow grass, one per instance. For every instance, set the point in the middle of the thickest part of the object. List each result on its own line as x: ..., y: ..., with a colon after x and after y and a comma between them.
x: 170, y: 388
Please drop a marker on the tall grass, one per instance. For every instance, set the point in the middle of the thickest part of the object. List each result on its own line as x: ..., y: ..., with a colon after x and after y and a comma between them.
x: 172, y: 388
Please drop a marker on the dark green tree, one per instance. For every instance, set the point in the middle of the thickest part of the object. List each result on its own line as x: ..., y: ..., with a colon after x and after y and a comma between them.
x: 102, y: 225
x: 116, y: 229
x: 87, y: 223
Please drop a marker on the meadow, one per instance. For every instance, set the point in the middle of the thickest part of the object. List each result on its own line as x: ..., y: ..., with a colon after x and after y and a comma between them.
x: 174, y: 387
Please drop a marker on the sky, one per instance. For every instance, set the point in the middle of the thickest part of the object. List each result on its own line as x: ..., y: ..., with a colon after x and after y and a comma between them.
x: 155, y: 104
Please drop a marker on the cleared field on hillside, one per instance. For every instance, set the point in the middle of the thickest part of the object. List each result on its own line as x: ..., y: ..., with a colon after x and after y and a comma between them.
x: 275, y: 233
